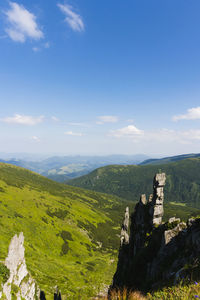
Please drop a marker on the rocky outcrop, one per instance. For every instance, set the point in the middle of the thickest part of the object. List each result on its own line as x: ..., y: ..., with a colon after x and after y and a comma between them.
x: 156, y: 208
x: 19, y: 282
x: 157, y: 253
x: 124, y: 237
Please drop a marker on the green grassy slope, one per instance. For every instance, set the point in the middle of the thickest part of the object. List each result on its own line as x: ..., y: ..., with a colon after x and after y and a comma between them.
x: 182, y: 185
x: 71, y: 235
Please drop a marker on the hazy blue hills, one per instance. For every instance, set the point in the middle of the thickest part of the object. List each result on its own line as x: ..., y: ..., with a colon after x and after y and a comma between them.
x: 182, y: 185
x: 63, y: 168
x: 166, y: 160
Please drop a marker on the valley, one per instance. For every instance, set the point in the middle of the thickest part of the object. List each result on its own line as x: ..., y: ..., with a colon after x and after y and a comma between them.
x: 71, y: 234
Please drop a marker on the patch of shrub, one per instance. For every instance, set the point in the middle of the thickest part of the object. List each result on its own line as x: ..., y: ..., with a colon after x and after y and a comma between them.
x: 44, y: 220
x: 89, y: 268
x: 2, y: 190
x: 58, y: 213
x: 65, y: 248
x: 66, y: 235
x: 18, y: 215
x: 14, y: 291
x: 4, y: 273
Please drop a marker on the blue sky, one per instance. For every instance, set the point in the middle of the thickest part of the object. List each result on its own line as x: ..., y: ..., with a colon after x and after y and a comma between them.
x: 100, y: 77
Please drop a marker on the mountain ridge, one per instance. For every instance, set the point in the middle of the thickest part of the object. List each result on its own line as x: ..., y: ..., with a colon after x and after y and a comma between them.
x: 128, y: 181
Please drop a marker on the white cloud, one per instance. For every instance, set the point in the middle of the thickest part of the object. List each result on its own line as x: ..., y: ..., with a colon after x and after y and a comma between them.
x: 78, y: 124
x: 173, y: 136
x: 107, y: 119
x: 192, y: 114
x: 23, y: 120
x: 36, y: 49
x: 162, y: 135
x: 35, y: 139
x: 46, y: 45
x: 55, y: 119
x: 128, y: 131
x: 192, y: 134
x: 130, y: 121
x: 74, y: 133
x: 22, y: 24
x: 73, y: 19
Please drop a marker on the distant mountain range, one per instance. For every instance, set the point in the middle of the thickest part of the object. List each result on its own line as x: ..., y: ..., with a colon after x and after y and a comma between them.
x: 63, y: 168
x: 165, y: 160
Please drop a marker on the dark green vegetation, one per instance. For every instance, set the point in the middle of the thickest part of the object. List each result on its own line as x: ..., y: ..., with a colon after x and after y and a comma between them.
x: 71, y: 235
x: 4, y: 273
x: 182, y: 185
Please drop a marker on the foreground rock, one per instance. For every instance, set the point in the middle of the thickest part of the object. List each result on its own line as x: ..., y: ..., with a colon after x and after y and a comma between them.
x: 156, y: 254
x: 19, y: 283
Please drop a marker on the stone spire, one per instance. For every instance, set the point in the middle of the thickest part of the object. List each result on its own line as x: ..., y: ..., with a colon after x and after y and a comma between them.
x: 124, y: 237
x: 156, y: 208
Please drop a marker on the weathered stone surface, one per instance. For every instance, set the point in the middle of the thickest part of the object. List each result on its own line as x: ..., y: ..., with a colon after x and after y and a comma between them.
x: 156, y: 209
x: 170, y: 234
x: 19, y: 275
x: 143, y: 199
x: 174, y: 219
x: 124, y: 237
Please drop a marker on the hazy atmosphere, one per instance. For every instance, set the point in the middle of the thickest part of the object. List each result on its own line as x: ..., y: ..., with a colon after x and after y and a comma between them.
x: 100, y: 77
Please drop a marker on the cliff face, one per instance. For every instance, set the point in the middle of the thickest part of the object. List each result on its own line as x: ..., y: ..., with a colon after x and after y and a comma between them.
x: 156, y: 253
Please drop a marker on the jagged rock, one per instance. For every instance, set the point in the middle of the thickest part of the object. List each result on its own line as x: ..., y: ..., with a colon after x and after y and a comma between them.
x: 190, y: 221
x: 143, y: 199
x: 170, y: 234
x: 124, y: 237
x: 174, y: 219
x: 150, y: 197
x: 19, y: 277
x: 157, y: 253
x: 156, y: 209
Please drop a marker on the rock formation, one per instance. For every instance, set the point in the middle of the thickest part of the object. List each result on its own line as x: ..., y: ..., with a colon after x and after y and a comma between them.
x: 156, y: 253
x: 156, y: 210
x: 124, y: 237
x: 20, y: 285
x: 19, y: 282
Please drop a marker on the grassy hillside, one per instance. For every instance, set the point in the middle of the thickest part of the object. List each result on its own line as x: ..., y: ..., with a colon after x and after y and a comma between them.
x: 71, y: 235
x: 182, y: 185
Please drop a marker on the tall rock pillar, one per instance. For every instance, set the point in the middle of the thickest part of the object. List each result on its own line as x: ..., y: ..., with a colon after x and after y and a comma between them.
x: 156, y: 206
